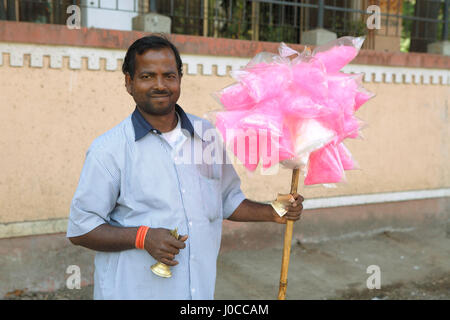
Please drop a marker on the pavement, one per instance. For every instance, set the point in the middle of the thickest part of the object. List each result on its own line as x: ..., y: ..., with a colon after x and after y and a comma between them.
x: 413, y: 263
x: 337, y: 267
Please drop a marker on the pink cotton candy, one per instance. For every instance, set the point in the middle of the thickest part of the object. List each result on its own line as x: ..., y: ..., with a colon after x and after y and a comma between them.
x: 310, y: 135
x: 343, y: 88
x: 350, y: 127
x: 295, y: 112
x: 265, y: 81
x: 285, y: 145
x: 274, y: 149
x: 346, y: 157
x: 337, y: 57
x: 236, y: 97
x: 362, y: 97
x: 310, y: 77
x: 295, y: 103
x: 324, y: 166
x: 246, y: 148
x: 227, y: 121
x: 266, y: 116
x: 243, y: 143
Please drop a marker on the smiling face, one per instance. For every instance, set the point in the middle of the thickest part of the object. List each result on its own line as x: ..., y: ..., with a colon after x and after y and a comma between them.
x: 155, y: 86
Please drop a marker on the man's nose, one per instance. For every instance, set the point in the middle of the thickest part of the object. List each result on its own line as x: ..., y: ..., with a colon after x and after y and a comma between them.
x: 160, y: 83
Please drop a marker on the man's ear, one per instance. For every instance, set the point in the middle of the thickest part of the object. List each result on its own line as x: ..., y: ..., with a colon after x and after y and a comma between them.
x: 129, y: 83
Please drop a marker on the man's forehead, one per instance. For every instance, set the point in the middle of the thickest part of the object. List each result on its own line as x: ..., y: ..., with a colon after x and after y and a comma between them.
x: 151, y: 57
x: 163, y: 53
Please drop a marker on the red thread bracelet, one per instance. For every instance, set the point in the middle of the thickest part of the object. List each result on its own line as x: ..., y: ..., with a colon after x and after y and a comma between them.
x: 140, y: 237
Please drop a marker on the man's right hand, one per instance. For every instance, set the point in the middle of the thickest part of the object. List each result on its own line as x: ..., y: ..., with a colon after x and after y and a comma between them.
x: 162, y: 246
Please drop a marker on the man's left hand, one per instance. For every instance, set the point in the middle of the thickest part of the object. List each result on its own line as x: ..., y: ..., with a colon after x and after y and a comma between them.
x: 294, y: 210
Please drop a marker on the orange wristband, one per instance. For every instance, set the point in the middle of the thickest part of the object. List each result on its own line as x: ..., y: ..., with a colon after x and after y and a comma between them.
x: 140, y: 237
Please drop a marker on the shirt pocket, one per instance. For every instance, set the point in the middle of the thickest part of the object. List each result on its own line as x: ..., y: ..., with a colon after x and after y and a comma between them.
x: 211, y: 197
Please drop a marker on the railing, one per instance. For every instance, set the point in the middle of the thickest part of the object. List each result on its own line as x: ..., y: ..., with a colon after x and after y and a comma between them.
x: 415, y: 22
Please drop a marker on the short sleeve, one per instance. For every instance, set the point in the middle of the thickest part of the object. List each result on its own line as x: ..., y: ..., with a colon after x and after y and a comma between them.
x: 95, y: 196
x: 232, y: 195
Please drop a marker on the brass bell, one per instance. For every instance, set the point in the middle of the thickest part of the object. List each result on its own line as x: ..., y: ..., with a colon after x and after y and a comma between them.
x: 161, y: 269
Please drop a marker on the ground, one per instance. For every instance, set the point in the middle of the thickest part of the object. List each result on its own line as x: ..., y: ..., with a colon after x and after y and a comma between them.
x: 414, y: 264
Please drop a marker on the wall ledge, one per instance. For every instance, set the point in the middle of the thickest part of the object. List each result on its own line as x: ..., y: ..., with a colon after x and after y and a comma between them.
x: 59, y: 225
x: 48, y: 34
x: 33, y: 55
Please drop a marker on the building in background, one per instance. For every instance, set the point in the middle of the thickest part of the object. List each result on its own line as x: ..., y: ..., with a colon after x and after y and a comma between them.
x: 406, y: 25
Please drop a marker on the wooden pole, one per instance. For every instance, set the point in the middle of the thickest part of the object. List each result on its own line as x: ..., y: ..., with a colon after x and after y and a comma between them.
x: 205, y: 18
x: 287, y: 242
x: 255, y: 21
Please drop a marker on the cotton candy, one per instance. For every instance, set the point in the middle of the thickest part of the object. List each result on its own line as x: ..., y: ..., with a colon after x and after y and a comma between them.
x: 361, y: 97
x: 336, y: 58
x: 338, y: 53
x: 310, y: 135
x: 295, y: 109
x: 265, y: 116
x: 236, y: 97
x: 275, y: 149
x: 346, y: 157
x: 265, y: 81
x: 310, y: 77
x: 324, y: 166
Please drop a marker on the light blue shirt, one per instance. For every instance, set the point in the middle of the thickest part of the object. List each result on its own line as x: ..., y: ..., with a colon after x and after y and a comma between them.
x: 132, y: 177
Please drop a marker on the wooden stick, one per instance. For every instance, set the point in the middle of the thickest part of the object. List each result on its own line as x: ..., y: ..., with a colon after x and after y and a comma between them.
x: 287, y: 242
x: 205, y: 18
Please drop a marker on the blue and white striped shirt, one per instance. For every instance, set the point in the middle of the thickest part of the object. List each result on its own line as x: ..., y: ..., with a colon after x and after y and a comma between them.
x: 132, y: 177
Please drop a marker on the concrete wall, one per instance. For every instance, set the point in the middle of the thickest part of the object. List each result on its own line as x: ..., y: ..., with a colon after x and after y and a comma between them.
x: 57, y: 97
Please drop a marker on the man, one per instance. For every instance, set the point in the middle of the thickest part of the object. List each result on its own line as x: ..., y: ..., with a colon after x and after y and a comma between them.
x: 132, y: 192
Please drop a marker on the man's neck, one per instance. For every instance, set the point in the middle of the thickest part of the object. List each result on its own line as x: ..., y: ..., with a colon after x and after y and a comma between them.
x: 163, y: 123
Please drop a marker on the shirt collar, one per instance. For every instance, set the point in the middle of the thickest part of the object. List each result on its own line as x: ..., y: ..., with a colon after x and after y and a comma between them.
x: 142, y: 126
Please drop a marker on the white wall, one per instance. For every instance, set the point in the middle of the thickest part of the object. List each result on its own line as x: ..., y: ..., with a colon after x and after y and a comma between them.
x: 102, y: 14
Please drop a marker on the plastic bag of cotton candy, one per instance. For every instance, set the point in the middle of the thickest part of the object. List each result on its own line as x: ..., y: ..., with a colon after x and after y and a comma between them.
x: 295, y: 109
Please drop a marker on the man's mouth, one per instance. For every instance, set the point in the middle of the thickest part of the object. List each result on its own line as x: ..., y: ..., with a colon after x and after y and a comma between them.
x: 159, y: 96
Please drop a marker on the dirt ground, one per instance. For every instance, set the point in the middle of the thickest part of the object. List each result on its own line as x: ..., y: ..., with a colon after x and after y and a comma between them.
x: 414, y: 264
x: 433, y: 288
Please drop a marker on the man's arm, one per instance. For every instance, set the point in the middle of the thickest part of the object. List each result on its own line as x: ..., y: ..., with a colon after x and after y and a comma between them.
x: 251, y: 211
x: 107, y: 238
x: 159, y: 243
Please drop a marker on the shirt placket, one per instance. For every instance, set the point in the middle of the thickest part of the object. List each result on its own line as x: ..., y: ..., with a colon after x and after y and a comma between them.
x: 182, y: 187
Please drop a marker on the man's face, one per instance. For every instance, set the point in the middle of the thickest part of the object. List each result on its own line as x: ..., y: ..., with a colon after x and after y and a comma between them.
x: 155, y: 86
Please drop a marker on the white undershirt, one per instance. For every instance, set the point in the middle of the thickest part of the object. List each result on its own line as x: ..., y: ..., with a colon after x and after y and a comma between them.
x: 174, y: 135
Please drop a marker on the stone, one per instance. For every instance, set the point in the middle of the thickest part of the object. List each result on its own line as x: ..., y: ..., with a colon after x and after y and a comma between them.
x: 317, y: 37
x: 152, y: 22
x: 441, y: 47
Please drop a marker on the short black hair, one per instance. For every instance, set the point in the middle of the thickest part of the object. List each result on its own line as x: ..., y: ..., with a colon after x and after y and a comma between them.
x: 141, y: 45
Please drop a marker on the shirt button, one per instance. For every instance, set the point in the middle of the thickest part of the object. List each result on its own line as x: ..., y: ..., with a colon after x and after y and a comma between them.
x: 182, y: 190
x: 190, y: 223
x: 192, y: 257
x: 193, y: 290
